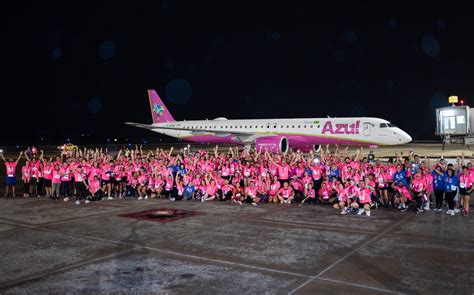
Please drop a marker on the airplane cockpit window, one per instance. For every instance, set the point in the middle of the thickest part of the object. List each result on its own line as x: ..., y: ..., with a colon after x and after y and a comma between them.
x: 392, y: 125
x: 383, y: 125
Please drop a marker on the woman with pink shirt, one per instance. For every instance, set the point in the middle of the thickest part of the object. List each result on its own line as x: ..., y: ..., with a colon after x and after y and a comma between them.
x: 48, y: 176
x: 418, y: 189
x: 363, y: 198
x: 402, y: 196
x: 66, y: 181
x: 381, y: 179
x: 309, y: 194
x: 274, y: 189
x: 210, y: 190
x: 10, y: 167
x: 465, y: 188
x: 286, y: 194
x: 26, y: 177
x: 55, y: 182
x: 95, y: 190
x: 251, y: 194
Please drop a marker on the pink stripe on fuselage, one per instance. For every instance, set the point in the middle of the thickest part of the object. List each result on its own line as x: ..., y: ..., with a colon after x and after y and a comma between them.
x: 295, y: 141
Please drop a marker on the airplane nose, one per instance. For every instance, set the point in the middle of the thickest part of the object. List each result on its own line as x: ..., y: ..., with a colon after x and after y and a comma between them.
x: 406, y: 138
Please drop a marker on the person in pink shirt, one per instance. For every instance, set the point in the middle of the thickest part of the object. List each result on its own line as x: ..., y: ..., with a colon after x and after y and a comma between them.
x: 382, y: 181
x: 465, y: 188
x: 274, y: 189
x: 10, y: 167
x: 363, y: 198
x: 286, y: 194
x: 309, y: 194
x: 211, y: 190
x: 106, y: 179
x: 226, y: 190
x: 402, y: 195
x: 325, y: 195
x: 26, y: 177
x: 142, y: 185
x: 66, y: 181
x: 55, y: 182
x: 428, y: 179
x: 95, y: 190
x: 418, y: 187
x: 48, y: 176
x: 251, y: 194
x: 80, y: 184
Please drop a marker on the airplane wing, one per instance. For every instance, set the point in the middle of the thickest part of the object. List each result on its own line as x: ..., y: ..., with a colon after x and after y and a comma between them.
x: 243, y: 136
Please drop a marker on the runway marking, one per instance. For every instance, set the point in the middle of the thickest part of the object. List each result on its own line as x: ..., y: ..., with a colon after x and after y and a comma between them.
x: 359, y: 285
x: 317, y: 276
x: 62, y: 269
x: 310, y: 225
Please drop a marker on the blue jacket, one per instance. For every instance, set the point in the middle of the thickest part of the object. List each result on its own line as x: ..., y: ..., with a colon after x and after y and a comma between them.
x: 400, y: 177
x: 438, y: 181
x: 451, y: 183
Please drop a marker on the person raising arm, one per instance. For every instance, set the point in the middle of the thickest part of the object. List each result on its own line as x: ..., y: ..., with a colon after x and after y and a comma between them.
x: 10, y: 166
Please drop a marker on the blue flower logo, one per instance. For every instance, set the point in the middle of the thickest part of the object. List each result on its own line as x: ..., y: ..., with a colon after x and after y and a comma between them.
x: 158, y: 110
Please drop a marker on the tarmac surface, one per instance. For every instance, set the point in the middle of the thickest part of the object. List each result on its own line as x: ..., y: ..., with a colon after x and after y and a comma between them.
x: 55, y: 247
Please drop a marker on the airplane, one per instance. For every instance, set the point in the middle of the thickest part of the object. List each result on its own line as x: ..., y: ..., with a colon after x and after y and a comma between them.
x: 276, y: 135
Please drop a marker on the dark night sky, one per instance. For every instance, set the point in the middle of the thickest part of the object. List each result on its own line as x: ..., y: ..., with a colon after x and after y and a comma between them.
x: 84, y: 69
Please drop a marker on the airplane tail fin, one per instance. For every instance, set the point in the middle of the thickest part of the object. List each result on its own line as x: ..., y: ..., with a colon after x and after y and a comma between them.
x: 159, y: 112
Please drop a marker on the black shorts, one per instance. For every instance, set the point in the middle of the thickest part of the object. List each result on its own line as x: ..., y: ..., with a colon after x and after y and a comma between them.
x: 103, y: 181
x: 465, y: 191
x: 47, y: 183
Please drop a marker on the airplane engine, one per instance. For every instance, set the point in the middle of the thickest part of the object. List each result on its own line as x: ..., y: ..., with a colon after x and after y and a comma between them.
x: 275, y: 144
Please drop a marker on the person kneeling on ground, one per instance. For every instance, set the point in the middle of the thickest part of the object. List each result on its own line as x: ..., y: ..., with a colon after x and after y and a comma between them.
x: 251, y: 194
x: 363, y: 198
x: 95, y: 190
x: 286, y: 194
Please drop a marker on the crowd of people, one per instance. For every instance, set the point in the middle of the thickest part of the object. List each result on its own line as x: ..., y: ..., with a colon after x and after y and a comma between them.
x: 349, y: 183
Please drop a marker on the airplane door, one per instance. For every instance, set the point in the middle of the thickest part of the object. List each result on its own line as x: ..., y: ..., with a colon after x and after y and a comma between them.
x: 367, y: 127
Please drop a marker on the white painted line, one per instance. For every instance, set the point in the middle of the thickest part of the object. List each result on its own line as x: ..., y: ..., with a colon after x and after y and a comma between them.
x: 317, y: 276
x: 358, y: 285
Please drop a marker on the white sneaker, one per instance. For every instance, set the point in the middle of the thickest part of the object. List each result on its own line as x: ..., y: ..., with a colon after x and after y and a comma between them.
x: 66, y: 199
x: 253, y: 203
x: 360, y: 211
x: 146, y: 197
x: 77, y: 202
x: 426, y: 207
x: 110, y: 198
x: 449, y: 211
x: 87, y: 201
x: 172, y: 199
x: 140, y: 198
x: 367, y: 213
x: 453, y: 212
x: 456, y: 210
x: 343, y: 212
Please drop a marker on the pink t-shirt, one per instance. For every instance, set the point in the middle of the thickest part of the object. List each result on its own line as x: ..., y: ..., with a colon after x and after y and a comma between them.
x: 10, y: 168
x: 286, y: 192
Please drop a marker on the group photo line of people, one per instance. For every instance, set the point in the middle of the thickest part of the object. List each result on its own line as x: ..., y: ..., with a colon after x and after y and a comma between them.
x: 332, y: 177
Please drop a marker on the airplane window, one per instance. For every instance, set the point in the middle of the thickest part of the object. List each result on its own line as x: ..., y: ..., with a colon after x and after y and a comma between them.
x: 225, y: 127
x: 261, y: 126
x: 268, y: 126
x: 287, y: 126
x: 311, y: 126
x: 383, y: 125
x: 250, y: 126
x: 293, y: 126
x: 245, y: 126
x: 299, y: 126
x: 304, y: 126
x: 256, y: 126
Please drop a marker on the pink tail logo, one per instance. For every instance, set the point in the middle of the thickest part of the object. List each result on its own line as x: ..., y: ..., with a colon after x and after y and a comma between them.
x: 158, y: 110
